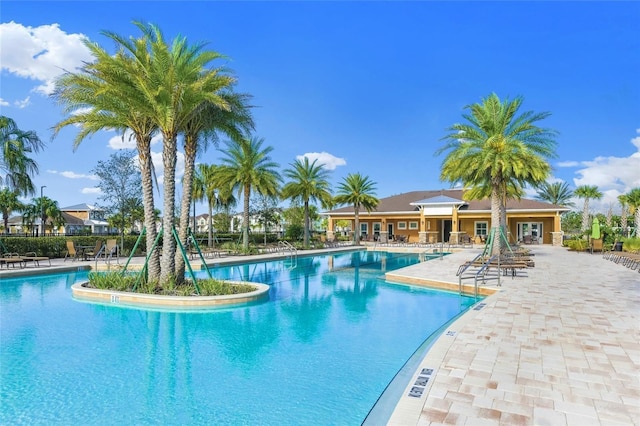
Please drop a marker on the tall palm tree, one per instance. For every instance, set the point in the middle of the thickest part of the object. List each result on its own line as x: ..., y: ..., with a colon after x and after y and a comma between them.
x: 206, y: 122
x: 358, y: 191
x: 105, y: 94
x: 587, y: 193
x: 15, y: 164
x: 498, y: 145
x: 557, y: 193
x: 622, y: 199
x: 633, y: 199
x: 44, y: 208
x: 307, y: 182
x: 9, y: 202
x: 204, y: 188
x: 247, y: 166
x: 178, y: 84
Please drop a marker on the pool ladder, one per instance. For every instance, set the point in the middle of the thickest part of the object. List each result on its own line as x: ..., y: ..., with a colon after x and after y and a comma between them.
x: 287, y: 247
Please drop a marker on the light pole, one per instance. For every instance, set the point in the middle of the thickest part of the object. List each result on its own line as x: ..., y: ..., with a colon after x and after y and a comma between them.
x: 42, y: 207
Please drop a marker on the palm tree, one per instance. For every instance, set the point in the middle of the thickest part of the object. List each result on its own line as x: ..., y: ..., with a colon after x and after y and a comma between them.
x: 44, y: 208
x: 498, y: 147
x: 105, y: 95
x: 358, y: 191
x: 15, y: 164
x: 633, y: 199
x: 587, y: 193
x: 557, y: 193
x: 623, y: 213
x: 232, y: 119
x: 9, y: 202
x: 246, y: 166
x: 308, y: 182
x: 204, y: 188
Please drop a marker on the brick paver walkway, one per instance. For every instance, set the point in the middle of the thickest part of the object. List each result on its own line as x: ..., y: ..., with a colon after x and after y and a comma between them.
x: 559, y: 347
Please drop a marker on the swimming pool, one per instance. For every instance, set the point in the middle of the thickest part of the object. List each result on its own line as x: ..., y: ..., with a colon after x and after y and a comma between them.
x: 320, y: 350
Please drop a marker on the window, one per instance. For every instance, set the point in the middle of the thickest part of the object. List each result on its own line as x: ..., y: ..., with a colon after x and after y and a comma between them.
x: 402, y: 225
x: 413, y: 225
x: 481, y: 228
x: 364, y: 228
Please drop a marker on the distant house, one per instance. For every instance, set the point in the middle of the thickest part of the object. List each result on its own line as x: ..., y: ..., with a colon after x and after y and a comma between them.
x: 433, y: 216
x: 83, y: 218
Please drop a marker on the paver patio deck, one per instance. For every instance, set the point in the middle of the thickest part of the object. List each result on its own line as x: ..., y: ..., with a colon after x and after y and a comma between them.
x: 558, y: 347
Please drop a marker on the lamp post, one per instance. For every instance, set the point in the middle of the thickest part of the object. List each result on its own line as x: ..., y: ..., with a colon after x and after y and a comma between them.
x: 42, y: 207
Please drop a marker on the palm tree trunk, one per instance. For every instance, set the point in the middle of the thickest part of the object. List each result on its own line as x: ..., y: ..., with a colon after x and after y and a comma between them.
x: 637, y: 221
x: 167, y: 263
x: 306, y: 224
x: 356, y: 232
x: 496, y: 202
x: 183, y: 230
x: 585, y: 215
x: 245, y: 231
x: 146, y: 167
x: 210, y: 239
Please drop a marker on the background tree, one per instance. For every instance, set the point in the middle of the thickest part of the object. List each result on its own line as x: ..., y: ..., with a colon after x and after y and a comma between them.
x: 44, y: 208
x: 587, y: 193
x: 247, y: 166
x: 16, y: 167
x: 571, y: 222
x: 9, y: 203
x: 358, y: 191
x: 557, y: 193
x: 265, y: 209
x: 119, y: 183
x: 622, y: 199
x: 308, y: 182
x: 633, y: 200
x: 496, y: 146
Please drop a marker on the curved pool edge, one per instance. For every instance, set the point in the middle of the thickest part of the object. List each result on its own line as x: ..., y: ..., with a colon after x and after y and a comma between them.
x: 192, y: 303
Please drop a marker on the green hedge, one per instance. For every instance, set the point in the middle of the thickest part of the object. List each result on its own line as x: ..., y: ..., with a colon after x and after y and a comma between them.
x: 57, y: 246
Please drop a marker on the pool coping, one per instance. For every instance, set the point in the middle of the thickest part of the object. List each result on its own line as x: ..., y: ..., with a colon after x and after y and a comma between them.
x: 141, y: 300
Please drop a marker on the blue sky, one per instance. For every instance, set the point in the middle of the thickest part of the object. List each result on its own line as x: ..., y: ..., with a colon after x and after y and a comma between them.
x: 372, y: 86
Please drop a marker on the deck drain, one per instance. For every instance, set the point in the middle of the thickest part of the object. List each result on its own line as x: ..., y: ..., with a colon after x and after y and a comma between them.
x: 451, y: 333
x: 419, y: 385
x: 479, y: 306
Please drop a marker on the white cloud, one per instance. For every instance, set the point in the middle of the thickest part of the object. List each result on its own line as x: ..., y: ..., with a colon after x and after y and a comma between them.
x: 120, y: 142
x: 612, y: 175
x: 91, y: 190
x: 568, y: 164
x: 330, y: 161
x: 40, y: 53
x: 129, y: 141
x: 73, y: 175
x: 3, y: 102
x: 23, y: 103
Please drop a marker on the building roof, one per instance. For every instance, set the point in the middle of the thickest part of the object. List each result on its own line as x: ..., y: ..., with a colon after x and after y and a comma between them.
x: 81, y: 207
x: 410, y: 201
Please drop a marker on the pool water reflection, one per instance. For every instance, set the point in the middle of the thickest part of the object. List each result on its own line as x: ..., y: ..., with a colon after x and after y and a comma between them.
x: 321, y: 349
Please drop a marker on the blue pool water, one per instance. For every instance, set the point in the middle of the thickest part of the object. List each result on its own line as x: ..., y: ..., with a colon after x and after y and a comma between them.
x: 320, y: 350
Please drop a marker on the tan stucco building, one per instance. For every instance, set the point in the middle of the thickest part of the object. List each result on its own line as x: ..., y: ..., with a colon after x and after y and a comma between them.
x: 434, y: 216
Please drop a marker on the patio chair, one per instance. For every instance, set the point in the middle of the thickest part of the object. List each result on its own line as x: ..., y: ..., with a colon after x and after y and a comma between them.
x: 596, y: 245
x: 527, y: 239
x: 12, y: 259
x: 111, y: 249
x: 96, y: 252
x: 71, y: 251
x: 32, y: 257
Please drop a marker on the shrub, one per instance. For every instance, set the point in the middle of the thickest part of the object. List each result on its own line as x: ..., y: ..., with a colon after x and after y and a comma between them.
x: 208, y: 287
